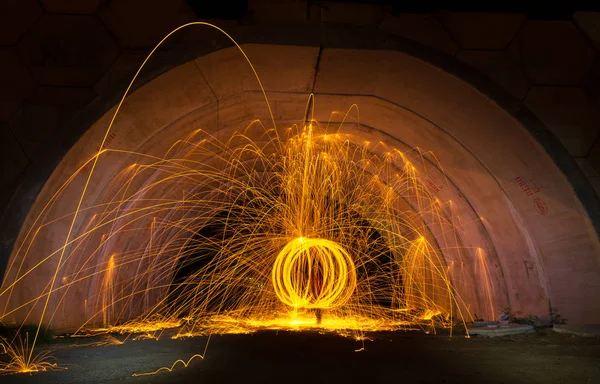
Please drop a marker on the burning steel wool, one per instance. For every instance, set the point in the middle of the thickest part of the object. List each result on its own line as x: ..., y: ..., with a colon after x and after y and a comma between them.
x: 301, y: 227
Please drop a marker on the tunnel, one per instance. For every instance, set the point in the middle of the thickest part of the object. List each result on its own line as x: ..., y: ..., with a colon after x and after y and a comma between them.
x: 524, y: 219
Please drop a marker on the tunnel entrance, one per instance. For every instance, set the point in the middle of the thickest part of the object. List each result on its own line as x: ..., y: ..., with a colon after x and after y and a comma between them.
x: 198, y: 262
x: 430, y: 244
x: 478, y: 224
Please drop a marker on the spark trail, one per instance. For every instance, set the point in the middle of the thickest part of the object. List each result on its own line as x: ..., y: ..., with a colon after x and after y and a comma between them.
x: 255, y: 231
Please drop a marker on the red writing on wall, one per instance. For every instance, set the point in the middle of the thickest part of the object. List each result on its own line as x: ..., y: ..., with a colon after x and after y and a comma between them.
x: 111, y: 136
x: 435, y: 187
x: 541, y: 206
x: 525, y: 188
x: 530, y: 189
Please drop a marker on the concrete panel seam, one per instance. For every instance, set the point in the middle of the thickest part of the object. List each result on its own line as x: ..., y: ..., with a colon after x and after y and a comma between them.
x: 439, y: 20
x: 586, y: 36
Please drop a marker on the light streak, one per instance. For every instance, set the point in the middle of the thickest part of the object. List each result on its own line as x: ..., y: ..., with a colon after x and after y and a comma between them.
x: 313, y: 273
x: 296, y: 228
x: 171, y: 368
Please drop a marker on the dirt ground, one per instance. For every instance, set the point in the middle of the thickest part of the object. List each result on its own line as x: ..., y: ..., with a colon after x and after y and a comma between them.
x: 285, y: 357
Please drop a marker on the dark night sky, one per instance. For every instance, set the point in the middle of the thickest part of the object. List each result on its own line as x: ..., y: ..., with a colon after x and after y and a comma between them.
x: 236, y: 9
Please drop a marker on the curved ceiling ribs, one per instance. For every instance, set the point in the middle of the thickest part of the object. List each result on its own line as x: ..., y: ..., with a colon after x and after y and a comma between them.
x: 517, y: 207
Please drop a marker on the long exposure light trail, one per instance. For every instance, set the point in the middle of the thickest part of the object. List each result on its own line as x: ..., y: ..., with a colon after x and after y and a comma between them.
x: 302, y: 227
x: 313, y: 273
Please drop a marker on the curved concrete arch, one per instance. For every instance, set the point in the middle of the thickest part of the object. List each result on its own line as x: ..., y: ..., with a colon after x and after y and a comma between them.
x: 547, y: 249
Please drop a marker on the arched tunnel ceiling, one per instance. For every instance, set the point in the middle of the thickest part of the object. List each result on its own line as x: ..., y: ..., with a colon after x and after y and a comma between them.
x: 543, y: 244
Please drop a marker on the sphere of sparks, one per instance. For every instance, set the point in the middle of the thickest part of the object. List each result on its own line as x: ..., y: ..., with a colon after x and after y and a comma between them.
x: 313, y: 273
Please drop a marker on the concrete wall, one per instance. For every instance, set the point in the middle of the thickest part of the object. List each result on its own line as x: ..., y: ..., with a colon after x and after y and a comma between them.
x: 491, y: 150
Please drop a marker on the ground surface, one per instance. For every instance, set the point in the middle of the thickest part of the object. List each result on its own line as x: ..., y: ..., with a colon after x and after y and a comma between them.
x: 285, y: 357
